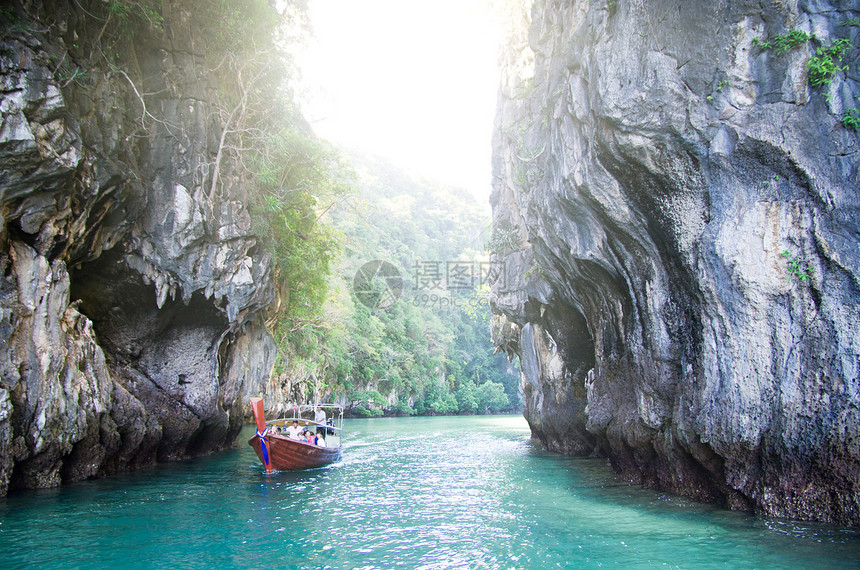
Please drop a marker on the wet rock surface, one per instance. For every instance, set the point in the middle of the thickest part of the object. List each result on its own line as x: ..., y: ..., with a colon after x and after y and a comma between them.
x: 676, y: 210
x: 127, y: 285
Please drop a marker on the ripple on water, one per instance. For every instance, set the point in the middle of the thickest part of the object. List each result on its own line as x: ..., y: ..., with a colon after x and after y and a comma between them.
x: 411, y: 493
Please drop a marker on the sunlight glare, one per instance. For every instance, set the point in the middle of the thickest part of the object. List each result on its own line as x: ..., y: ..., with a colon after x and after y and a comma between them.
x: 414, y: 82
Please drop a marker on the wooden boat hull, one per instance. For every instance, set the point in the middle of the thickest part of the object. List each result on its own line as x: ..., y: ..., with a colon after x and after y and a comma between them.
x: 285, y: 454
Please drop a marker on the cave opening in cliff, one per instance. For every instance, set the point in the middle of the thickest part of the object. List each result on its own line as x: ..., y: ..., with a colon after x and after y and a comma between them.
x: 559, y: 420
x: 569, y: 329
x: 125, y: 314
x: 166, y: 358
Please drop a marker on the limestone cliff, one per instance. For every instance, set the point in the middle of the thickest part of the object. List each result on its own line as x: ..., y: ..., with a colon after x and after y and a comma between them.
x: 676, y: 208
x: 133, y: 290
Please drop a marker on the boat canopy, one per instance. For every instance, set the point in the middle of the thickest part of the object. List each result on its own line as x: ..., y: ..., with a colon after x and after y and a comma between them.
x: 304, y: 415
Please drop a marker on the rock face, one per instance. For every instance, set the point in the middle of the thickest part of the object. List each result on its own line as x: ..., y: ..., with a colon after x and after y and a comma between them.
x: 132, y: 295
x: 676, y: 209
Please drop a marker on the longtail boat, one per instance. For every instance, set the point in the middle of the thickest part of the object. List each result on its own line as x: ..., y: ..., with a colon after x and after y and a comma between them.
x: 280, y: 452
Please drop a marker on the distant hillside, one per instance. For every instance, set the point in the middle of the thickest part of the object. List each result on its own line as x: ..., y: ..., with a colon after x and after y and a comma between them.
x: 428, y: 351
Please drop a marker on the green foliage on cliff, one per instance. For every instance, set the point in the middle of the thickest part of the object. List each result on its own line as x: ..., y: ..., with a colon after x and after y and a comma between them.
x: 796, y: 268
x: 784, y: 43
x: 297, y: 181
x: 10, y: 23
x: 826, y: 61
x: 851, y: 119
x: 130, y: 13
x: 241, y: 26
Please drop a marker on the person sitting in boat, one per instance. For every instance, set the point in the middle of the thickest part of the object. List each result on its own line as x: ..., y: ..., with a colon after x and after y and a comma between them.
x: 293, y: 430
x: 310, y: 437
x: 321, y: 438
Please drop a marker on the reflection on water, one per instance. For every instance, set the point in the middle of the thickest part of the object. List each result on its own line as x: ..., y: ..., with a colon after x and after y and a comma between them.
x: 470, y: 492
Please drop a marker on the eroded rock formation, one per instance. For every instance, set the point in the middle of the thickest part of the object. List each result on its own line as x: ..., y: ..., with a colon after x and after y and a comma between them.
x: 676, y: 208
x: 132, y: 299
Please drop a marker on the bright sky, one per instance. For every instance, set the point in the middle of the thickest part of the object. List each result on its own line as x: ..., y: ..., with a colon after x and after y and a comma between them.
x: 413, y: 81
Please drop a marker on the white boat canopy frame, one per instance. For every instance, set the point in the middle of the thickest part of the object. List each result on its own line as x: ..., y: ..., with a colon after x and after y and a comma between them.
x: 303, y: 414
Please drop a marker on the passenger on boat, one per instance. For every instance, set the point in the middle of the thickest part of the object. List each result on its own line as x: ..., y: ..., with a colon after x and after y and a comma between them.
x: 310, y: 437
x: 293, y: 430
x: 321, y: 438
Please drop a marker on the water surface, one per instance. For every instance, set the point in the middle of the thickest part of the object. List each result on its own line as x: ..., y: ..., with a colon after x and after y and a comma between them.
x: 462, y: 492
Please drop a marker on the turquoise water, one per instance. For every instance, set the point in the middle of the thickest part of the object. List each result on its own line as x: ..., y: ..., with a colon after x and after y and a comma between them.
x: 470, y: 492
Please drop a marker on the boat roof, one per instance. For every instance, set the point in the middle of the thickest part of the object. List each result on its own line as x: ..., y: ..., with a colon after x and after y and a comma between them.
x: 305, y: 421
